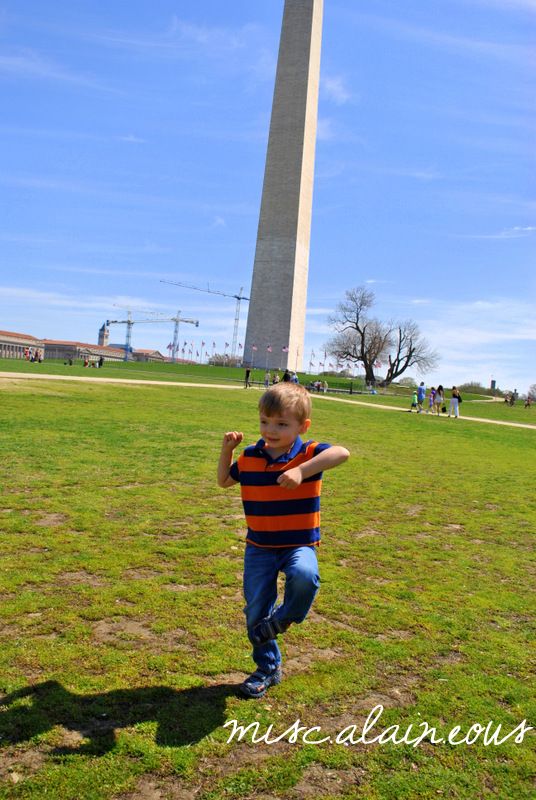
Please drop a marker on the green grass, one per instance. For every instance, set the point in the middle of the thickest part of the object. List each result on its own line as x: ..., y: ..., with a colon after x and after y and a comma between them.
x: 121, y: 616
x: 165, y: 372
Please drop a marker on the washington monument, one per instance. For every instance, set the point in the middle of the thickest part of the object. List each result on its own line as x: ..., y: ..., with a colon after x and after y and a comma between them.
x: 276, y: 319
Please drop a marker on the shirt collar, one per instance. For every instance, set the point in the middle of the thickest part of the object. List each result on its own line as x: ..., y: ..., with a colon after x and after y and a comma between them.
x: 284, y: 458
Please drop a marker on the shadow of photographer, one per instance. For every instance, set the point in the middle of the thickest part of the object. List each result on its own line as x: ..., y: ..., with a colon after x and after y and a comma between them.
x: 183, y: 717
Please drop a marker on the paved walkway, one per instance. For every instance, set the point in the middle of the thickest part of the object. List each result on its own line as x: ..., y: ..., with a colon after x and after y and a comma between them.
x: 176, y: 385
x: 138, y: 381
x: 405, y: 411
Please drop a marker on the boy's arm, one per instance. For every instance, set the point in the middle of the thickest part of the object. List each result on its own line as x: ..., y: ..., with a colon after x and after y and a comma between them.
x: 327, y: 459
x: 230, y: 440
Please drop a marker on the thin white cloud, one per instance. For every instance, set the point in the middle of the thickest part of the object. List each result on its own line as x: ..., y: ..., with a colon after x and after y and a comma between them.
x: 29, y: 64
x: 144, y: 248
x: 324, y: 131
x: 507, y: 5
x: 462, y: 45
x: 181, y: 39
x: 47, y: 183
x: 517, y: 232
x: 131, y: 139
x: 129, y: 273
x: 334, y: 88
x: 60, y: 300
x: 319, y: 312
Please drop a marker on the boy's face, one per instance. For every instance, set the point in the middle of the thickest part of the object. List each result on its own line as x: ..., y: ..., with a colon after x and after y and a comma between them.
x: 281, y: 431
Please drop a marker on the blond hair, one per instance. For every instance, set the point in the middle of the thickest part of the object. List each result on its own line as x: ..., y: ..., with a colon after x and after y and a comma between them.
x: 285, y: 397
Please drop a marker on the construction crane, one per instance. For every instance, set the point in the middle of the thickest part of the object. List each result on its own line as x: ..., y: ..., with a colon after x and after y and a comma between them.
x: 238, y: 297
x: 129, y: 322
x: 176, y: 319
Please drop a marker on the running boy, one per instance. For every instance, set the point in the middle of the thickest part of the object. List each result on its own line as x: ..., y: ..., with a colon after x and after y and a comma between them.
x: 280, y: 480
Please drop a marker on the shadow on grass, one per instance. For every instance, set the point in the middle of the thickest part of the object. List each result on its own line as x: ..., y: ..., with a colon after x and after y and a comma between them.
x: 183, y: 717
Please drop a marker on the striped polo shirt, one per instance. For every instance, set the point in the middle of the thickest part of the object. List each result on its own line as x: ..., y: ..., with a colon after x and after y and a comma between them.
x: 278, y: 517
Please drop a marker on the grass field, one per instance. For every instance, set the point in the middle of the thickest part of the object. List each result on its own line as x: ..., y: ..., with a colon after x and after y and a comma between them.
x: 474, y: 405
x: 121, y: 617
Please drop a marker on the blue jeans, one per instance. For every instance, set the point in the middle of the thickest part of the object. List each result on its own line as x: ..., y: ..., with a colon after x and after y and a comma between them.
x: 261, y: 568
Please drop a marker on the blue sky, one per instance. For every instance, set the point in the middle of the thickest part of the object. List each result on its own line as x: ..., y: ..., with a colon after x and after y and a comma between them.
x: 133, y: 146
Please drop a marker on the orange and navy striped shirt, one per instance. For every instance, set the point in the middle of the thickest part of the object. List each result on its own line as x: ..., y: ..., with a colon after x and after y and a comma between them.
x: 275, y: 516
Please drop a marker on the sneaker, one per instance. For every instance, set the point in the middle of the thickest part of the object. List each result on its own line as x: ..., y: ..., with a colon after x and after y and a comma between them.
x: 259, y: 682
x: 266, y: 630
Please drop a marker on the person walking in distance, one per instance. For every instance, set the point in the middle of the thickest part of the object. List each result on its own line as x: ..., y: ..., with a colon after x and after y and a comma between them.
x: 439, y: 399
x: 455, y: 401
x: 421, y: 394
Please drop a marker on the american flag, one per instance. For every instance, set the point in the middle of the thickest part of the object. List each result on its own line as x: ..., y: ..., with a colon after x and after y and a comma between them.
x: 254, y: 347
x: 226, y: 344
x: 214, y: 345
x: 284, y: 349
x: 202, y: 344
x: 269, y: 348
x: 239, y: 346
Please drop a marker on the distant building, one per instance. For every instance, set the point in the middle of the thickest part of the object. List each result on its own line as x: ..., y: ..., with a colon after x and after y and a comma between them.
x: 104, y: 335
x: 15, y: 345
x: 19, y: 345
x: 65, y: 350
x: 148, y: 355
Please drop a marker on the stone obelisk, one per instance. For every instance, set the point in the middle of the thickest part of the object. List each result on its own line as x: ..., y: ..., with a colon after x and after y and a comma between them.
x: 276, y: 317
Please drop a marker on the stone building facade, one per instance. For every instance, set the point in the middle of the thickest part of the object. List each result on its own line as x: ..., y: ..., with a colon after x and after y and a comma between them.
x: 15, y: 345
x: 80, y: 350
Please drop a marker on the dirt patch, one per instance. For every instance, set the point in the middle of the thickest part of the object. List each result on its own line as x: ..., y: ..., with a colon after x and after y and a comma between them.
x: 454, y: 657
x: 17, y: 764
x: 491, y: 506
x: 413, y: 511
x: 317, y: 781
x: 394, y: 634
x: 133, y: 633
x: 80, y: 576
x: 181, y: 523
x: 167, y: 536
x: 155, y: 788
x: 226, y: 678
x: 454, y: 527
x: 51, y: 520
x: 317, y: 618
x: 298, y: 660
x: 142, y: 573
x: 177, y: 587
x: 10, y: 631
x: 378, y: 580
x: 367, y: 532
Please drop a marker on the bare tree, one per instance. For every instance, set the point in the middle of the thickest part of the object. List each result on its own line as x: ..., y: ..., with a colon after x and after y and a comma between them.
x: 363, y: 339
x: 408, y: 349
x: 532, y: 391
x: 359, y: 338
